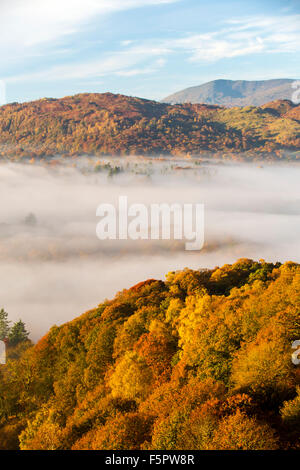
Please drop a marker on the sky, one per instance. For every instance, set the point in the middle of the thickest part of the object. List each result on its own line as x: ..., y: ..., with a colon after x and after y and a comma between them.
x: 145, y: 48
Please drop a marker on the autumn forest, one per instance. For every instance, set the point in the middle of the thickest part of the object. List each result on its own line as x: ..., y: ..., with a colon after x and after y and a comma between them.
x: 201, y: 360
x: 110, y: 124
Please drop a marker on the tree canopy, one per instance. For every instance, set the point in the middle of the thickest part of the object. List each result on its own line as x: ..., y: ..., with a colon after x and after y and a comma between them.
x: 200, y: 361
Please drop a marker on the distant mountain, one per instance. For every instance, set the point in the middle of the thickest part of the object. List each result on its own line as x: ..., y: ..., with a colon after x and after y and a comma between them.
x: 234, y: 92
x: 109, y: 124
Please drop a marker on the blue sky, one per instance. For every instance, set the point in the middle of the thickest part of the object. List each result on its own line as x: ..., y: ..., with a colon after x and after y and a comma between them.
x: 146, y: 48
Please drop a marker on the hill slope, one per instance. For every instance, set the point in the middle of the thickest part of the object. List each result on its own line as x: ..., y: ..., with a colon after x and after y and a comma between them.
x: 200, y: 361
x: 234, y: 92
x: 108, y: 124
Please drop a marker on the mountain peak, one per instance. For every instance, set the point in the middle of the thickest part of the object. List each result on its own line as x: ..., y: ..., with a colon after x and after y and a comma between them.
x: 234, y: 92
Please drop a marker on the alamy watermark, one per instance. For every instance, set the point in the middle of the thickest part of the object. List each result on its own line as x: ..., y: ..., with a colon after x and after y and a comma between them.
x: 296, y: 354
x: 2, y: 352
x: 296, y: 94
x: 155, y: 222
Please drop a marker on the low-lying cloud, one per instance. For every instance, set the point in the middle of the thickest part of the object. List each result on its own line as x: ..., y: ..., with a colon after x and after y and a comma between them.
x: 53, y: 267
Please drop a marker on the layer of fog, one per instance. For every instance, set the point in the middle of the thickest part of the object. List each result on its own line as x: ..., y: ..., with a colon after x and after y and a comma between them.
x: 53, y: 267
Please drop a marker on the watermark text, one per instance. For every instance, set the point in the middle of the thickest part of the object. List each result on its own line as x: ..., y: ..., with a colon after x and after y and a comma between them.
x: 156, y: 222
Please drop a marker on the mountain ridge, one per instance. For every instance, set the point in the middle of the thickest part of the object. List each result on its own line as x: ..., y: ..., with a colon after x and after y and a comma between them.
x: 234, y: 92
x: 111, y: 124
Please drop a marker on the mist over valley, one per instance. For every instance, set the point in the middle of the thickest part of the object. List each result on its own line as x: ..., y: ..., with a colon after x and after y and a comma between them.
x: 53, y: 265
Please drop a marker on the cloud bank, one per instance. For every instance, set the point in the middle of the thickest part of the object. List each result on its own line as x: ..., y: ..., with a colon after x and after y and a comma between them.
x: 56, y: 268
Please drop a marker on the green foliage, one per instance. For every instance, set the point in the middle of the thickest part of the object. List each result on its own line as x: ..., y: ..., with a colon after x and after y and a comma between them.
x: 4, y: 324
x: 18, y: 333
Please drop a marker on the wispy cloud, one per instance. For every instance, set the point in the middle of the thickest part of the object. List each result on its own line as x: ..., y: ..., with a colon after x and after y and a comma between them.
x: 213, y: 47
x: 237, y: 37
x: 27, y: 24
x: 133, y: 61
x: 244, y: 36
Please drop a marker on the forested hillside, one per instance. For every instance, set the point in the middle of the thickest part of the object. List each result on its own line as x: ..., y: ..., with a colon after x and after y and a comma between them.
x: 200, y: 361
x: 108, y: 124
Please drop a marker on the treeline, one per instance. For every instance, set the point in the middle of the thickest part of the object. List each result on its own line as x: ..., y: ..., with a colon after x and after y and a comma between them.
x: 200, y: 361
x: 12, y: 335
x: 108, y: 124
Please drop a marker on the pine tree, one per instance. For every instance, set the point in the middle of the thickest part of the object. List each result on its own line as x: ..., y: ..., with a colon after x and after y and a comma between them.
x: 17, y: 333
x: 4, y: 325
